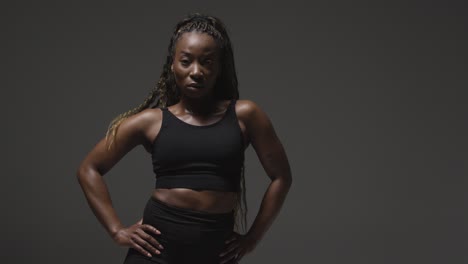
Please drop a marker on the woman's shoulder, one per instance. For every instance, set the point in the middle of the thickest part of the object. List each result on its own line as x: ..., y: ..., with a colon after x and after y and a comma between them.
x: 147, y: 116
x: 151, y: 113
x: 148, y: 123
x: 249, y: 111
x: 143, y: 122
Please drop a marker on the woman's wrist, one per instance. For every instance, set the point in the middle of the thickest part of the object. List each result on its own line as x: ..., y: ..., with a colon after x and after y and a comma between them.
x: 251, y: 235
x: 113, y: 231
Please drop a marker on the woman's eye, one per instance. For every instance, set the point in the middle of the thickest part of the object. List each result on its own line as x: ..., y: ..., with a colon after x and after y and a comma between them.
x: 185, y: 62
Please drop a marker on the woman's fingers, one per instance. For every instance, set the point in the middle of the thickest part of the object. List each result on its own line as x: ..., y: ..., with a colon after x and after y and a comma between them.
x: 236, y: 248
x: 136, y: 237
x: 139, y: 248
x: 229, y: 249
x: 151, y: 228
x: 234, y: 237
x: 229, y: 257
x: 147, y: 241
x: 151, y: 238
x: 230, y: 240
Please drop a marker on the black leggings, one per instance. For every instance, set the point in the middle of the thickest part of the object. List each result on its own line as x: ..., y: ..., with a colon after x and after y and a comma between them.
x: 188, y: 236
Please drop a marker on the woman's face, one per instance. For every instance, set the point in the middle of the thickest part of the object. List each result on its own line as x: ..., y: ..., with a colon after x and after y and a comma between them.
x: 196, y: 64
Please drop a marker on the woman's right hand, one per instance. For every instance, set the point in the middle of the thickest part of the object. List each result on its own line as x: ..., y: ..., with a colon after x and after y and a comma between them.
x: 136, y: 236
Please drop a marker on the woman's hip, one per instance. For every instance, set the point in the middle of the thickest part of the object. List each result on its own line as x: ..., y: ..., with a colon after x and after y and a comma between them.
x: 186, y: 234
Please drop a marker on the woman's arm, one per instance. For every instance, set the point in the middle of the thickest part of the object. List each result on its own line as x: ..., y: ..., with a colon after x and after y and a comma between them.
x: 273, y: 158
x: 99, y: 161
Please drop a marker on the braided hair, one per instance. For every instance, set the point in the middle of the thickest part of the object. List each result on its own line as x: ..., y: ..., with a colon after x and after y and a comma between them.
x: 165, y: 92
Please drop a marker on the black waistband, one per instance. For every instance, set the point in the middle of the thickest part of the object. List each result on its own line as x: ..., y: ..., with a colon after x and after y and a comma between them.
x: 192, y: 213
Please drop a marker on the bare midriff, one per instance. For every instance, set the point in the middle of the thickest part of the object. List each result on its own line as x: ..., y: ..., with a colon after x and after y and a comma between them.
x: 205, y: 200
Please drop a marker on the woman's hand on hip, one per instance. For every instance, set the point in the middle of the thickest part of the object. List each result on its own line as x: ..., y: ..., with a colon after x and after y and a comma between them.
x: 236, y: 247
x: 138, y: 237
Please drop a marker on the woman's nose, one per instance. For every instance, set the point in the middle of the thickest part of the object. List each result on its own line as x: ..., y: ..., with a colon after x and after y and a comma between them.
x: 196, y: 71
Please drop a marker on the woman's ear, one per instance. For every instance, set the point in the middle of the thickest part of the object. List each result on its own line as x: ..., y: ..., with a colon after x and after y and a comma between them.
x: 172, y: 67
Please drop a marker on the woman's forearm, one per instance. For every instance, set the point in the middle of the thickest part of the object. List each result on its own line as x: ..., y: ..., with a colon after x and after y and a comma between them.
x: 97, y: 195
x: 269, y: 208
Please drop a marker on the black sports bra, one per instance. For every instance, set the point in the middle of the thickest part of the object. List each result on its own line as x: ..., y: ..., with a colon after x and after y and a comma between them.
x: 206, y: 157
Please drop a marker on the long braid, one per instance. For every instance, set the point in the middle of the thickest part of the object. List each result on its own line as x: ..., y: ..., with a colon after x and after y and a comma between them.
x: 165, y: 92
x: 241, y: 195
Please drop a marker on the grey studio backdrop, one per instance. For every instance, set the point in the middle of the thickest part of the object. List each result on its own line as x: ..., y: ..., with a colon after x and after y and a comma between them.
x: 368, y: 100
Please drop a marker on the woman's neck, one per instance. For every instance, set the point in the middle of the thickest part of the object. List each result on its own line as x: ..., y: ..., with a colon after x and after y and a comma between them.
x: 198, y: 106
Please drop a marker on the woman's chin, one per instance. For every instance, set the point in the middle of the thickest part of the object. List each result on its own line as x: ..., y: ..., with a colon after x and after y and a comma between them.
x: 194, y: 92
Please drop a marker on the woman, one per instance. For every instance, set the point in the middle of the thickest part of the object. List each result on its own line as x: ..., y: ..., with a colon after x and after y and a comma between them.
x: 196, y: 131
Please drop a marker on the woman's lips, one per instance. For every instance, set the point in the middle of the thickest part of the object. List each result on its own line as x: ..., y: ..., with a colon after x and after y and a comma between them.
x: 195, y: 85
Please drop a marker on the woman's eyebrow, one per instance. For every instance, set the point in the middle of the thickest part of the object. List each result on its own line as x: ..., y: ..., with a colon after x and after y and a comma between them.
x: 211, y: 52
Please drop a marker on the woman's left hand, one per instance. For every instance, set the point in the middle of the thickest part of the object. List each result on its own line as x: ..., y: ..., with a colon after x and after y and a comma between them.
x: 236, y: 247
